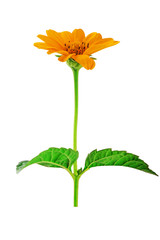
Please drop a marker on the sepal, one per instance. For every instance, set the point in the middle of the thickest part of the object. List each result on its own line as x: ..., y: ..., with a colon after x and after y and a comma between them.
x: 73, y: 64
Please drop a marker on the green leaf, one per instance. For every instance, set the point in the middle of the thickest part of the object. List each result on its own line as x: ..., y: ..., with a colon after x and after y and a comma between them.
x: 21, y: 165
x: 107, y: 157
x: 53, y: 157
x: 79, y: 171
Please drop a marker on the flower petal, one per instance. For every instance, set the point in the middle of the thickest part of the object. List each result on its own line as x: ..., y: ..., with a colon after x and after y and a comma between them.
x: 97, y: 47
x: 42, y: 45
x: 51, y: 51
x: 85, y: 61
x: 78, y: 35
x: 66, y: 36
x: 64, y: 58
x: 56, y: 37
x: 104, y: 40
x: 50, y: 41
x: 93, y: 37
x: 63, y: 52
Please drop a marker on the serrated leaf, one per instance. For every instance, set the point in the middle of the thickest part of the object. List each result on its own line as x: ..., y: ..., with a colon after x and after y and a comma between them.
x: 107, y: 157
x: 53, y: 157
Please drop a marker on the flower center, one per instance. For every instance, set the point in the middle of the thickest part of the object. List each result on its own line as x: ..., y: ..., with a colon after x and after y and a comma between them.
x: 76, y: 47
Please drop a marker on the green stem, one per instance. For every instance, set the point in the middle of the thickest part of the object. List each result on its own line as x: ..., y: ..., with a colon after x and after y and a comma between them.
x: 75, y: 74
x: 76, y: 179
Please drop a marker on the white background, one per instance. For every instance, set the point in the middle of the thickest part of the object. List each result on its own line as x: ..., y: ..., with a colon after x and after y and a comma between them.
x: 119, y: 103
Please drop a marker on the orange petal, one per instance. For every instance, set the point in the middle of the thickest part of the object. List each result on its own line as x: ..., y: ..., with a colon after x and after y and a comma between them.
x: 56, y: 37
x: 51, y: 51
x: 50, y: 41
x: 60, y: 52
x: 85, y: 61
x: 93, y: 37
x: 42, y: 45
x: 63, y: 52
x: 78, y: 35
x: 66, y: 36
x: 104, y: 40
x: 97, y: 47
x: 64, y: 58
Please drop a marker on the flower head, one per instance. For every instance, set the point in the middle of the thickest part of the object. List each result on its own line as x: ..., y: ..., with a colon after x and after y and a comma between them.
x: 74, y: 45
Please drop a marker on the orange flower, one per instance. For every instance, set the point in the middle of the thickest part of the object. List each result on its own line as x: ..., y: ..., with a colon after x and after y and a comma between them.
x: 74, y: 45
